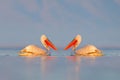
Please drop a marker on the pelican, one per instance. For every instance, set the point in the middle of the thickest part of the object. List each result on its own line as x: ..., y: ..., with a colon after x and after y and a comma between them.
x: 88, y: 50
x: 34, y: 50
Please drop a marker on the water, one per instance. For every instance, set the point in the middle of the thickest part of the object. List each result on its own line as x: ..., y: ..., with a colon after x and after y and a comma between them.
x: 59, y: 66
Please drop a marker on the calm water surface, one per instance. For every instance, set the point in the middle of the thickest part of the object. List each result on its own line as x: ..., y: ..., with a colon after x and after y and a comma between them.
x: 59, y: 66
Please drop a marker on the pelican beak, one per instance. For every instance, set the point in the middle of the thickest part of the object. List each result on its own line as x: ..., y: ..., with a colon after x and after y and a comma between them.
x: 72, y: 43
x: 50, y: 44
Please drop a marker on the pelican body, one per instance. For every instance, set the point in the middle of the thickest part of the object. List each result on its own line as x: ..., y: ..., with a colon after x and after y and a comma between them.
x: 34, y: 50
x: 88, y: 50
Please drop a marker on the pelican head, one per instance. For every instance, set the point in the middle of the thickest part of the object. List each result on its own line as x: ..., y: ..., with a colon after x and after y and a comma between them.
x: 47, y: 43
x: 74, y: 43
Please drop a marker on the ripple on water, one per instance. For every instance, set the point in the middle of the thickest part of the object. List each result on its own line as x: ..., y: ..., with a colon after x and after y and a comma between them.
x: 14, y: 52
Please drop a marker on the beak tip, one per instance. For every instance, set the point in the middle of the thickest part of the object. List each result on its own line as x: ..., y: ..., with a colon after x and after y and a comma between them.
x: 55, y: 49
x: 72, y: 43
x: 65, y: 48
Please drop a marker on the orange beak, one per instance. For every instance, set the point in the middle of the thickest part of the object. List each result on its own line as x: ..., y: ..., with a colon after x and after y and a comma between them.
x: 72, y: 43
x: 50, y: 44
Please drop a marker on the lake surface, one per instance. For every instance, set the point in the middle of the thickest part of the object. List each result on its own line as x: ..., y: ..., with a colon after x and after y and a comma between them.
x: 59, y: 66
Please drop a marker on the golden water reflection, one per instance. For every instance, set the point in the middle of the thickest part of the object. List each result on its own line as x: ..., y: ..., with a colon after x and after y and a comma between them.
x: 38, y: 67
x: 74, y: 72
x: 46, y: 66
x: 68, y: 67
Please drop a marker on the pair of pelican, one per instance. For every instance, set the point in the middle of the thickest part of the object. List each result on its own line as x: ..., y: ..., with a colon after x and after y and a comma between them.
x: 33, y: 50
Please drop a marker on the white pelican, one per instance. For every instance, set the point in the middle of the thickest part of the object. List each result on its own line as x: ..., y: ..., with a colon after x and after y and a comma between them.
x: 88, y: 50
x: 33, y: 50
